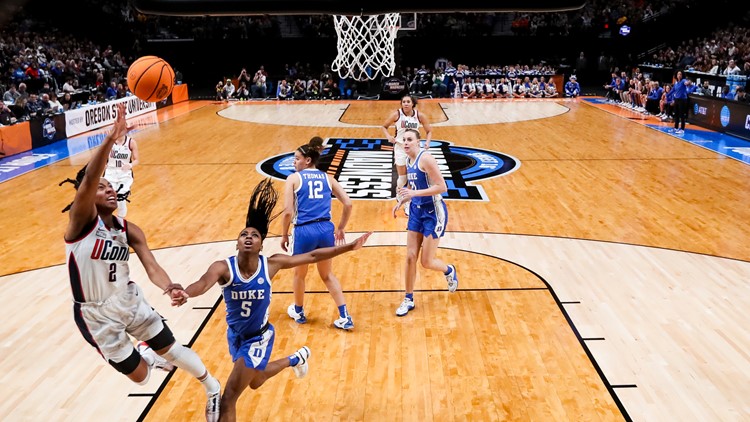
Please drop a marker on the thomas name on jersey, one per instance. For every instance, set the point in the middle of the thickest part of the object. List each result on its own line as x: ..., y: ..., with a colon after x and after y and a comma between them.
x: 365, y: 167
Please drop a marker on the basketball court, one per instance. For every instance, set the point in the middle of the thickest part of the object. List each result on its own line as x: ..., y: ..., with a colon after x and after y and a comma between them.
x: 603, y: 271
x: 603, y: 267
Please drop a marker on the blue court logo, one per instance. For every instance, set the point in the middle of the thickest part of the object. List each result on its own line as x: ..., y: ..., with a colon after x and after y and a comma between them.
x: 724, y: 116
x: 365, y: 169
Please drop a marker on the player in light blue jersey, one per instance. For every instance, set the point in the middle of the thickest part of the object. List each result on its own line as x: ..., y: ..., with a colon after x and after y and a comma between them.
x: 428, y: 217
x: 307, y: 205
x: 246, y: 283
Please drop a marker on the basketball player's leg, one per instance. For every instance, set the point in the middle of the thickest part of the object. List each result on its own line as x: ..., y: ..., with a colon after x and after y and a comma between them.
x: 434, y: 229
x: 414, y: 242
x: 239, y: 379
x: 123, y: 188
x: 303, y: 241
x: 413, y: 245
x: 148, y: 325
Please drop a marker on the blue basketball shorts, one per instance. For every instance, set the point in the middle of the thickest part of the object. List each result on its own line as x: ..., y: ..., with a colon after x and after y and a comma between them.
x: 308, y: 237
x: 255, y: 351
x: 429, y: 219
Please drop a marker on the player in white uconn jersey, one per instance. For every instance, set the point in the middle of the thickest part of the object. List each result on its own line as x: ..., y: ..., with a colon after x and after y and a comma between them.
x: 107, y: 305
x: 307, y: 205
x: 119, y: 172
x: 405, y: 118
x: 245, y: 279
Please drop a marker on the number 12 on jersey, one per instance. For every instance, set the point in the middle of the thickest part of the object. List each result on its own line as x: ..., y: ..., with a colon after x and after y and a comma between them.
x: 315, y: 189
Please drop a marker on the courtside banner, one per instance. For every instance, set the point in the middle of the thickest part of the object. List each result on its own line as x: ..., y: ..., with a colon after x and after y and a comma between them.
x: 99, y: 115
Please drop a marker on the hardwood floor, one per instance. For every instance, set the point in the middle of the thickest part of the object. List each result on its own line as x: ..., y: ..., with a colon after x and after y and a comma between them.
x: 604, y: 279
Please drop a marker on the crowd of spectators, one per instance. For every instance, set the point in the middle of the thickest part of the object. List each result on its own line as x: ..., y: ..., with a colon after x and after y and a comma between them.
x: 726, y: 51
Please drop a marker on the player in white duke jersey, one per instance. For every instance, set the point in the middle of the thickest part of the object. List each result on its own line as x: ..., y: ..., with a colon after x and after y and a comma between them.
x: 428, y: 218
x: 245, y: 279
x: 405, y: 118
x: 107, y: 305
x: 307, y: 206
x: 119, y: 172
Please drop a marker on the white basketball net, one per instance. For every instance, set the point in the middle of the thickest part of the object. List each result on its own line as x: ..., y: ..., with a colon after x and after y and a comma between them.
x: 365, y: 45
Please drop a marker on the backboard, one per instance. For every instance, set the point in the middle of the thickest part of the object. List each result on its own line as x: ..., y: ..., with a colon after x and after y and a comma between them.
x: 344, y: 7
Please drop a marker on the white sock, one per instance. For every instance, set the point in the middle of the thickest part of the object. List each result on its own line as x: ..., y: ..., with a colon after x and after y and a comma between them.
x: 186, y: 359
x: 122, y: 208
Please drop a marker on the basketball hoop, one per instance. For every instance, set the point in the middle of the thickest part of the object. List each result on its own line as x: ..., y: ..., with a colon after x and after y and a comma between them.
x: 365, y: 45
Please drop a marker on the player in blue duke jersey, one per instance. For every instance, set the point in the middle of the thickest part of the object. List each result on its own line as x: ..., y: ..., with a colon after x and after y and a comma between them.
x: 428, y: 217
x: 245, y: 280
x: 307, y: 205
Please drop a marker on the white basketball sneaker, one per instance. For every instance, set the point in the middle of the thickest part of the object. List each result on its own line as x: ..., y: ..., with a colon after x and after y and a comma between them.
x: 300, y: 369
x: 213, y: 406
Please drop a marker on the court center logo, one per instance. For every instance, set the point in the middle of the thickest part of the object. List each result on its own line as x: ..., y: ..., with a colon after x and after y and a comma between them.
x: 365, y: 169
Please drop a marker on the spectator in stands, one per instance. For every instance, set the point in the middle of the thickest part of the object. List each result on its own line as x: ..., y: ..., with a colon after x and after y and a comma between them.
x: 726, y: 93
x: 111, y: 93
x: 502, y: 90
x: 122, y: 91
x: 313, y: 89
x: 652, y: 98
x: 572, y: 88
x: 68, y: 86
x: 469, y: 89
x: 705, y: 90
x: 535, y: 91
x: 732, y: 69
x: 219, y: 90
x: 741, y: 95
x: 33, y: 106
x: 259, y: 89
x: 487, y: 89
x: 67, y: 101
x: 299, y: 90
x: 243, y: 92
x: 11, y: 95
x: 714, y: 69
x: 55, y: 105
x: 44, y: 103
x: 285, y: 90
x: 228, y: 91
x: 439, y: 87
x: 22, y: 90
x: 550, y: 91
x: 329, y: 90
x: 244, y: 77
x: 7, y: 117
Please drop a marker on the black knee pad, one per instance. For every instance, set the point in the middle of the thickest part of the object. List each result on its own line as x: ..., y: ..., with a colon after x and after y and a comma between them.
x: 164, y: 339
x: 129, y: 364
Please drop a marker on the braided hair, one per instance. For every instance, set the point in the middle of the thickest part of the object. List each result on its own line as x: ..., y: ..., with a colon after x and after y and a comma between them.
x: 75, y: 182
x: 260, y: 211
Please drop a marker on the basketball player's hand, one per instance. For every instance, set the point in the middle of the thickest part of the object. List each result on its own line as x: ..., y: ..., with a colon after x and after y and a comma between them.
x: 120, y: 128
x: 285, y: 243
x: 405, y: 194
x: 177, y: 294
x: 397, y: 207
x: 360, y: 241
x: 340, y: 237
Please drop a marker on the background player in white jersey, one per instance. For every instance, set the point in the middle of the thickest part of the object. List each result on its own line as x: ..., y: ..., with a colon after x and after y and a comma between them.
x: 107, y: 305
x: 245, y: 279
x: 119, y: 172
x: 307, y: 205
x: 406, y: 117
x: 427, y: 219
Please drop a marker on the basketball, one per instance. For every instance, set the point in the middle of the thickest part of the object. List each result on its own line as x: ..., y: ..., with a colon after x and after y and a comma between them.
x: 150, y: 78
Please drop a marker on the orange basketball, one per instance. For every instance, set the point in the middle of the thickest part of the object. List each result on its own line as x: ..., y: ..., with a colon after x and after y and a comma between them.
x: 150, y: 78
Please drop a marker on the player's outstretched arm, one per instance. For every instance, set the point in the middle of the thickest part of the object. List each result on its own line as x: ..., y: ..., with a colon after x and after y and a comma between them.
x: 218, y: 272
x: 281, y: 261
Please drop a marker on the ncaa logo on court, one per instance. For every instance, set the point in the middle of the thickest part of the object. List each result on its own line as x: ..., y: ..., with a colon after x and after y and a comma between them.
x: 365, y: 167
